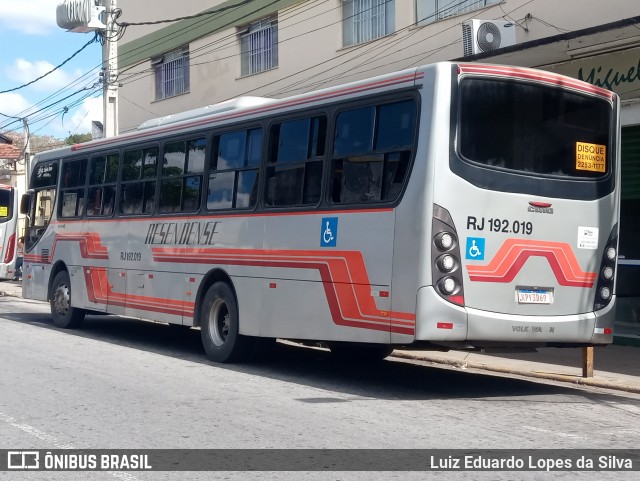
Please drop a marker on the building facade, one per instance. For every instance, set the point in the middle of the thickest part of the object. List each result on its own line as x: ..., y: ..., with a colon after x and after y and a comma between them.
x: 277, y: 48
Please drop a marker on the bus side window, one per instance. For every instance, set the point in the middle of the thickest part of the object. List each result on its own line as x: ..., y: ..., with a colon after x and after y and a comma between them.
x: 72, y: 185
x: 295, y: 163
x: 371, y: 153
x: 138, y: 184
x: 103, y: 175
x: 182, y: 170
x: 362, y: 179
x: 233, y: 177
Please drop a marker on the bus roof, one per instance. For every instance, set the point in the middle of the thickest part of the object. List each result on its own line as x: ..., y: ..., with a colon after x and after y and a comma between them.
x: 246, y: 108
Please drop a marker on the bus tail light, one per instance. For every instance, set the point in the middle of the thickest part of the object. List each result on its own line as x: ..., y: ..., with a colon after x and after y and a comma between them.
x: 11, y: 249
x: 604, y: 286
x: 445, y: 257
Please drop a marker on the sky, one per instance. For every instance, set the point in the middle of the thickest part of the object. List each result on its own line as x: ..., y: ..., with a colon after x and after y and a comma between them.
x: 33, y: 44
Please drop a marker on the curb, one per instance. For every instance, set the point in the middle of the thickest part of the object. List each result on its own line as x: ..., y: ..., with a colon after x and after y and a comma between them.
x: 11, y: 294
x: 591, y: 382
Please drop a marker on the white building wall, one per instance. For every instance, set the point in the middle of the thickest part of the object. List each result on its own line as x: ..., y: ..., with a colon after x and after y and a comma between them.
x: 311, y: 55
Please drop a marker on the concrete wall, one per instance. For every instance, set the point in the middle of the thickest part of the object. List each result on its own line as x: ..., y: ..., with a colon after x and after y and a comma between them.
x: 310, y: 54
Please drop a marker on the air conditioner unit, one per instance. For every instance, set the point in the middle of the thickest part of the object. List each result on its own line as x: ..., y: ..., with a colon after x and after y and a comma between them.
x: 479, y: 36
x: 80, y: 15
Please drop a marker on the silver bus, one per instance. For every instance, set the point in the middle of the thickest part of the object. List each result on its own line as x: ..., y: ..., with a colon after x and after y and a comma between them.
x: 452, y: 205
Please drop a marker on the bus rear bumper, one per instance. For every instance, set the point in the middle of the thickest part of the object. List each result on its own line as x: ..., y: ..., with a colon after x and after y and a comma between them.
x: 586, y: 328
x: 440, y: 320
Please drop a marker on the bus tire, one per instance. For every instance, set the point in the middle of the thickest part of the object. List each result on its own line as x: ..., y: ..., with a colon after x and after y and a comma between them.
x: 63, y: 314
x: 360, y: 352
x: 219, y: 326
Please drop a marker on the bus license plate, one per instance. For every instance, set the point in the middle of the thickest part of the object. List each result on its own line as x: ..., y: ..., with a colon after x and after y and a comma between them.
x: 534, y: 296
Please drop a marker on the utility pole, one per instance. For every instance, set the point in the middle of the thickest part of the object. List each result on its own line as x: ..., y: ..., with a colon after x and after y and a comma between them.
x: 27, y: 153
x: 110, y: 71
x: 90, y: 15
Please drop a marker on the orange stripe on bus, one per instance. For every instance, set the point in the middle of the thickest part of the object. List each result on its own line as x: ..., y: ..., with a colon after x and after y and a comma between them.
x: 514, y: 253
x: 346, y: 274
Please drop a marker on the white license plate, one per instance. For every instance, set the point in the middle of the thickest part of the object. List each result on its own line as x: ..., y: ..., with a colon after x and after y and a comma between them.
x: 534, y: 296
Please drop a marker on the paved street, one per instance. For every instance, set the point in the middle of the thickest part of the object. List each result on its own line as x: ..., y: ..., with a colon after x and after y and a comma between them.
x: 129, y: 384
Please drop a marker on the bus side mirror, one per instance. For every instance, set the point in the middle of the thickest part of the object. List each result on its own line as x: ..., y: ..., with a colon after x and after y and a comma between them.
x: 25, y: 202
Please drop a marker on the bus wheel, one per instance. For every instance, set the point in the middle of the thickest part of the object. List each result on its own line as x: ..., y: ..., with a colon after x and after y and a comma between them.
x: 219, y: 326
x: 360, y: 352
x: 63, y: 314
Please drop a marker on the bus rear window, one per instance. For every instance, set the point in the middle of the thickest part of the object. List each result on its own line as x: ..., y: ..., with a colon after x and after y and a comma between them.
x: 532, y: 128
x: 5, y: 204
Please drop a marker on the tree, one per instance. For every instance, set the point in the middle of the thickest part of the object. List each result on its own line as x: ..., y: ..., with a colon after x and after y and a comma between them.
x: 78, y: 139
x: 39, y: 143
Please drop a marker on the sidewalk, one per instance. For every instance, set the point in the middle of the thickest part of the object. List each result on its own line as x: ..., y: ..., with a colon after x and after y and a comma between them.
x: 615, y: 367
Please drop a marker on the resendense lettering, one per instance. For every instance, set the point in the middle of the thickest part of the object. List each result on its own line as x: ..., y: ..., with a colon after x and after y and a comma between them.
x: 188, y: 233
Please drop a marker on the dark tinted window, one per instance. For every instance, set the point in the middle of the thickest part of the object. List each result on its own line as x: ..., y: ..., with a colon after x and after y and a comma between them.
x: 45, y: 175
x: 233, y: 180
x: 175, y: 156
x: 104, y: 169
x: 72, y: 187
x: 531, y: 128
x: 395, y: 125
x: 294, y: 168
x: 299, y: 140
x: 354, y: 131
x: 138, y: 185
x: 73, y: 173
x: 6, y: 199
x: 184, y: 157
x: 101, y: 194
x: 372, y: 165
x: 179, y: 188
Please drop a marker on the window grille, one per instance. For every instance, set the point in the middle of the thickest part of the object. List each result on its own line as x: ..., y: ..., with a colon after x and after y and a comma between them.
x: 366, y: 20
x: 259, y: 47
x: 432, y: 10
x: 172, y: 74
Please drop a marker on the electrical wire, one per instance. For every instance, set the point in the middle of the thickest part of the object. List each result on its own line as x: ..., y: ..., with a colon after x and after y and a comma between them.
x: 357, y: 50
x: 233, y: 38
x: 93, y: 40
x: 5, y: 126
x: 303, y: 7
x: 187, y: 17
x: 170, y: 36
x: 558, y: 29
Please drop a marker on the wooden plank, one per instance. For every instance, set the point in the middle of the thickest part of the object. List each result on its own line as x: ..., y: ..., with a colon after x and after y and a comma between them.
x: 587, y: 361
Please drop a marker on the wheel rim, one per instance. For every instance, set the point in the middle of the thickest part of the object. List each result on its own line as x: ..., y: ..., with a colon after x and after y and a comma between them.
x: 62, y: 300
x: 219, y: 322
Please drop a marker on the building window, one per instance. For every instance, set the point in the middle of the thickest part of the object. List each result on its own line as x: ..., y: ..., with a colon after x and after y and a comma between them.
x: 259, y: 47
x: 172, y: 74
x: 366, y: 20
x: 433, y: 10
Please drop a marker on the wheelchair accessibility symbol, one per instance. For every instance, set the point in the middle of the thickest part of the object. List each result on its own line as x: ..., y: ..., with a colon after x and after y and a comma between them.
x: 475, y: 248
x: 329, y: 232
